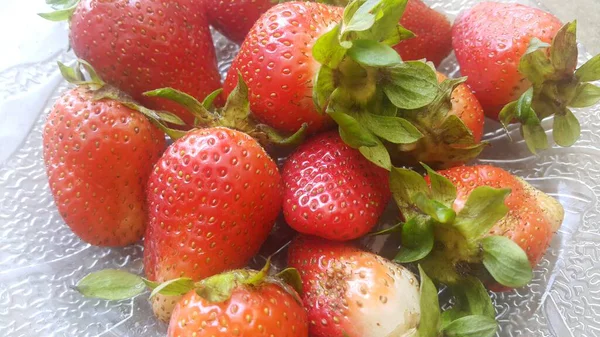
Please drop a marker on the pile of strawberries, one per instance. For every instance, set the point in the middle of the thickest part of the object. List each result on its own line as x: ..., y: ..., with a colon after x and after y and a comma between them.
x: 326, y: 114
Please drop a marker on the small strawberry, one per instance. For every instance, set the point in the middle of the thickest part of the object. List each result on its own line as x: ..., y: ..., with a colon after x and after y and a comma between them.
x: 235, y: 18
x: 213, y: 198
x: 349, y: 292
x: 99, y: 154
x: 311, y: 63
x: 432, y: 30
x: 332, y: 191
x: 138, y: 46
x: 478, y: 220
x: 520, y: 64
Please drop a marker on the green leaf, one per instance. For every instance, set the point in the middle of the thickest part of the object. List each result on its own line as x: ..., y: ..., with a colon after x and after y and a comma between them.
x: 508, y: 114
x: 393, y: 129
x: 111, y: 284
x: 531, y: 127
x: 218, y: 288
x: 208, y: 102
x: 380, y: 105
x: 70, y: 74
x: 563, y: 52
x: 484, y: 207
x: 236, y: 112
x: 586, y: 95
x: 404, y: 183
x: 589, y: 71
x: 472, y: 326
x: 455, y: 132
x: 535, y: 137
x: 189, y: 102
x: 377, y: 154
x: 170, y: 118
x: 535, y: 44
x: 327, y: 49
x: 273, y: 136
x: 506, y: 261
x: 150, y: 284
x: 417, y: 241
x: 536, y: 66
x: 386, y: 28
x: 175, y: 287
x: 361, y: 18
x: 397, y: 228
x: 373, y: 53
x: 472, y: 298
x: 292, y: 277
x: 442, y: 189
x: 257, y: 278
x: 430, y: 307
x: 437, y: 111
x: 436, y: 210
x: 410, y: 85
x: 59, y: 15
x: 566, y: 129
x: 352, y: 132
x: 323, y: 88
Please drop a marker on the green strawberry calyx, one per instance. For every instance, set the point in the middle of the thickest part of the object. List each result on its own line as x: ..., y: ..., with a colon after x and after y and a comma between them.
x: 556, y: 88
x: 113, y: 284
x: 445, y: 141
x: 450, y: 245
x: 83, y: 74
x: 63, y: 10
x: 236, y: 114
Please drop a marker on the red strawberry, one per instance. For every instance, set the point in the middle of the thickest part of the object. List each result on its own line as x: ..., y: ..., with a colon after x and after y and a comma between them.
x: 247, y: 307
x: 433, y: 40
x: 235, y: 18
x: 470, y: 218
x: 349, y: 292
x: 143, y: 45
x: 332, y: 190
x: 213, y: 198
x: 489, y: 41
x: 98, y: 156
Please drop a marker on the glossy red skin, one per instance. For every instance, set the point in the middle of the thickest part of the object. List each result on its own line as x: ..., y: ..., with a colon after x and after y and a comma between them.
x: 433, y: 32
x: 98, y: 156
x: 145, y: 45
x: 489, y: 41
x: 525, y: 222
x: 213, y: 198
x: 332, y: 191
x: 276, y: 62
x: 267, y: 310
x: 235, y: 18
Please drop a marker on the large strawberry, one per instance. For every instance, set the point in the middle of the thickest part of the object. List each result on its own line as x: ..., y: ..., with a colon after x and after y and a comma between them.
x: 505, y: 52
x: 432, y: 30
x: 332, y: 190
x: 352, y: 292
x: 99, y: 154
x: 313, y: 63
x: 213, y: 198
x: 478, y: 220
x: 143, y: 45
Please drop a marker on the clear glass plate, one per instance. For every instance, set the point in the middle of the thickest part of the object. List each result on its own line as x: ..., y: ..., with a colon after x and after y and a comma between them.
x: 40, y: 259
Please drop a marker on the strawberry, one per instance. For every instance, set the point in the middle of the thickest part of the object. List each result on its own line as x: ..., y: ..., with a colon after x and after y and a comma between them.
x: 349, y: 292
x: 512, y: 52
x: 331, y: 190
x: 478, y: 220
x: 143, y: 45
x: 213, y: 198
x: 99, y: 154
x: 433, y: 33
x: 235, y: 18
x: 311, y: 63
x: 451, y: 128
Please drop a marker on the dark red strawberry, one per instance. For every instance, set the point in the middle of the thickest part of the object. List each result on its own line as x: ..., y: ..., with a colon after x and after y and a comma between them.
x: 143, y: 45
x: 433, y: 33
x: 213, y: 199
x: 349, y: 292
x: 332, y: 190
x: 98, y: 155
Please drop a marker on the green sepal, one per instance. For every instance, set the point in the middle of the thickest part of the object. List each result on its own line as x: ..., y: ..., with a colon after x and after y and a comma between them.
x: 436, y: 210
x: 170, y: 118
x: 429, y: 325
x: 531, y: 128
x: 506, y: 261
x: 471, y: 326
x: 175, y: 287
x: 291, y: 276
x: 563, y: 51
x: 255, y: 279
x: 395, y: 130
x: 410, y: 85
x: 471, y: 298
x: 203, y: 116
x: 75, y: 75
x: 351, y: 131
x: 327, y: 49
x: 323, y: 88
x: 589, y: 71
x: 150, y: 284
x: 397, y: 228
x: 586, y: 94
x: 377, y: 154
x: 405, y: 183
x: 417, y: 241
x: 218, y: 288
x: 111, y: 284
x: 373, y: 54
x: 63, y: 10
x: 208, y: 102
x: 268, y: 135
x: 566, y: 129
x: 484, y: 207
x: 442, y: 189
x: 236, y: 112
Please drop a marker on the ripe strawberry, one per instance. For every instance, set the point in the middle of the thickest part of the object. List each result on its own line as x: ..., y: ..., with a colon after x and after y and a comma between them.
x: 433, y: 34
x: 250, y: 308
x: 332, y: 190
x: 213, y: 198
x: 143, y: 45
x: 467, y: 218
x: 489, y: 41
x: 235, y: 18
x: 98, y: 155
x: 349, y: 292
